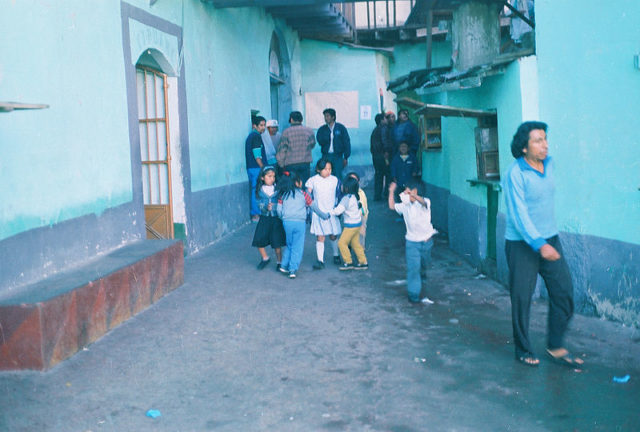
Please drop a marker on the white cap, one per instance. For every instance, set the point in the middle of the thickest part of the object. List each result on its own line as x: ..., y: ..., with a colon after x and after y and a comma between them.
x: 272, y: 123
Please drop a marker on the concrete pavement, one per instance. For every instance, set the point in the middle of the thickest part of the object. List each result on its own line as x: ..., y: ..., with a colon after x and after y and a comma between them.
x: 237, y: 349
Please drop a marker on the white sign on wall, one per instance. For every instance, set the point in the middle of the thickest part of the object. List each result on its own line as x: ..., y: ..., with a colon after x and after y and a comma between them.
x: 365, y: 112
x: 345, y: 103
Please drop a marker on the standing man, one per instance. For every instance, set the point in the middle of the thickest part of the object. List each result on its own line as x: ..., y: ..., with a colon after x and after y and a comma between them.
x: 256, y: 158
x: 532, y: 245
x: 388, y: 134
x: 294, y: 151
x: 406, y: 131
x: 380, y: 159
x: 271, y: 140
x: 334, y: 142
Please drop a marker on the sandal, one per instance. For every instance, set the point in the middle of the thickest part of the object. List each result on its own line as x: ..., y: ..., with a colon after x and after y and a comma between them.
x: 528, y: 359
x: 563, y: 357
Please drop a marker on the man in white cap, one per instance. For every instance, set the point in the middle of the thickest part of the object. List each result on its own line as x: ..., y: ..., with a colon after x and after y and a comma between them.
x: 271, y: 139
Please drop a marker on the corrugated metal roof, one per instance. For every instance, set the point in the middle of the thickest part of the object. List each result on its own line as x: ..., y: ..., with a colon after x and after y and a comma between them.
x: 446, y: 78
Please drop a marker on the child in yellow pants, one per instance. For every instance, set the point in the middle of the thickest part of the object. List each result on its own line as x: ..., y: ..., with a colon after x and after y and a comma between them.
x: 351, y: 207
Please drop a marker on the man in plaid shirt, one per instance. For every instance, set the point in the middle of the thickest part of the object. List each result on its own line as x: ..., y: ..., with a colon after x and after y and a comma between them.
x: 294, y: 152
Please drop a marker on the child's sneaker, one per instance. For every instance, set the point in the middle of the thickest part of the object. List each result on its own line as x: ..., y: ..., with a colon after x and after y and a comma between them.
x: 319, y: 265
x: 364, y: 266
x: 426, y: 300
x: 337, y: 260
x: 292, y: 275
x: 346, y: 266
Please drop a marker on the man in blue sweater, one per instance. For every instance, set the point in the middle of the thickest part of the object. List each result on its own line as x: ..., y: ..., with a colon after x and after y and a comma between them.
x: 532, y: 245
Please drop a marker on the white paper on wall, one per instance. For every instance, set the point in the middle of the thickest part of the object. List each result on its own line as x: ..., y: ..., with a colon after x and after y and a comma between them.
x: 345, y: 103
x: 365, y: 112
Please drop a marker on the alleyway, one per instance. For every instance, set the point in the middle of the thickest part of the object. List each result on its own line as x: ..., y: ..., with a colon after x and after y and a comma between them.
x: 236, y: 349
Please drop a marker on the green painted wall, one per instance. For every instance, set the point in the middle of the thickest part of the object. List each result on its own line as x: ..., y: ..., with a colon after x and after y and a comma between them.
x: 225, y: 81
x: 409, y: 57
x: 590, y: 96
x: 73, y: 158
x: 451, y: 167
x: 329, y: 67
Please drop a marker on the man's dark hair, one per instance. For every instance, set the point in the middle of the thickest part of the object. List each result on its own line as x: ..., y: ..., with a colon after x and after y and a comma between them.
x: 330, y: 111
x: 417, y: 184
x: 255, y: 120
x: 521, y: 138
x: 295, y: 116
x: 379, y: 118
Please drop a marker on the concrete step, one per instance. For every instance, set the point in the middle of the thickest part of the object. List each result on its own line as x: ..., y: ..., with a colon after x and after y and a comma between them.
x: 43, y: 323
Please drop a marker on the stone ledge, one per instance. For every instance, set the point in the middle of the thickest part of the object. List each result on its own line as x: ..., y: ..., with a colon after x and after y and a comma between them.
x: 46, y: 322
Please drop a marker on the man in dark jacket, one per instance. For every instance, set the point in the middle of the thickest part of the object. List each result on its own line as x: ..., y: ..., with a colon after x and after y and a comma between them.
x: 380, y: 157
x: 334, y: 141
x: 388, y: 134
x: 404, y: 167
x: 406, y: 131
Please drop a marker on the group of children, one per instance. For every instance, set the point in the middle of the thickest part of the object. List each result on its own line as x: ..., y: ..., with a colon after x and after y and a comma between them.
x: 284, y: 213
x: 283, y: 216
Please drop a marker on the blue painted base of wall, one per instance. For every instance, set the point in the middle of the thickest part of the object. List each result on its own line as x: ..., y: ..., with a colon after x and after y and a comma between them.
x: 468, y: 230
x: 37, y: 253
x: 606, y: 276
x: 215, y: 212
x: 605, y: 273
x: 439, y: 207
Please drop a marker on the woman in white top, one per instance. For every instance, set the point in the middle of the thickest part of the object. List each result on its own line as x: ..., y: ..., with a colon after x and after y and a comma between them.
x: 323, y: 187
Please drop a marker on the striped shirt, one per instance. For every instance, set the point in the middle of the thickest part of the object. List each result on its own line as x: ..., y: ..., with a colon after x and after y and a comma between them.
x: 295, y: 146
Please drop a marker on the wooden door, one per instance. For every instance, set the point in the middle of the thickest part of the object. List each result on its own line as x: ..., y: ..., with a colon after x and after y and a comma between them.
x: 155, y: 152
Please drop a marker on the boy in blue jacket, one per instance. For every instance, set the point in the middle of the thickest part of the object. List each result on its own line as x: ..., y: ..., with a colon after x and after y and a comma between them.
x: 404, y: 166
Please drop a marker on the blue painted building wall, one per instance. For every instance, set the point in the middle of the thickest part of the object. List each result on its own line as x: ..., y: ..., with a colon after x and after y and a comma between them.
x: 590, y: 96
x: 408, y: 57
x: 329, y: 67
x: 71, y: 177
x: 584, y: 88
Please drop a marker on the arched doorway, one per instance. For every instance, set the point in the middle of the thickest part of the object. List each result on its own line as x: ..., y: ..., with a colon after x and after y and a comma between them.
x: 280, y: 79
x: 155, y: 80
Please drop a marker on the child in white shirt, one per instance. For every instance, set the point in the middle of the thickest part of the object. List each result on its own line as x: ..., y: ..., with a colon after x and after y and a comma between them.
x: 324, y: 187
x: 416, y: 211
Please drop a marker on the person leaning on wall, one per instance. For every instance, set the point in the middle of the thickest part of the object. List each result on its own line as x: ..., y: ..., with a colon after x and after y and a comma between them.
x: 533, y: 247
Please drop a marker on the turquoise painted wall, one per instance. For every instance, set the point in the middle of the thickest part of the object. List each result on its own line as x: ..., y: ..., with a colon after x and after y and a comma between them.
x: 328, y: 67
x: 73, y: 158
x: 226, y: 79
x: 79, y: 147
x: 451, y: 167
x: 436, y: 167
x: 409, y: 57
x: 590, y: 96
